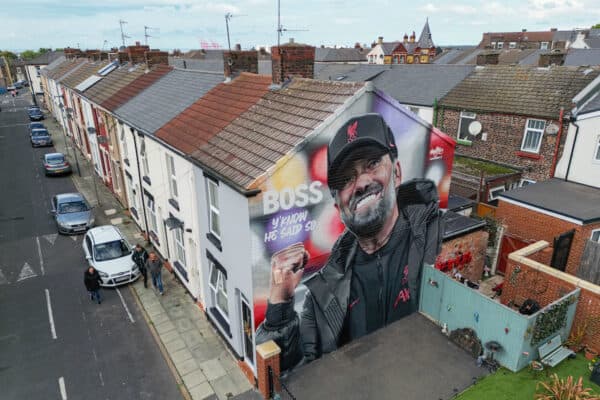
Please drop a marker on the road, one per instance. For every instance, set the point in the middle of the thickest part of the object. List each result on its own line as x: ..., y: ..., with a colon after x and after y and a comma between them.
x: 54, y: 342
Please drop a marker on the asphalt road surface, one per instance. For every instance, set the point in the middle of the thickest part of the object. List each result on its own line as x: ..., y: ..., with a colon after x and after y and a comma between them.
x: 54, y: 342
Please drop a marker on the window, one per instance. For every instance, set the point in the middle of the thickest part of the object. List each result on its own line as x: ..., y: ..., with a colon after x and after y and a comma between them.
x: 532, y: 140
x: 153, y: 226
x: 131, y: 192
x: 172, y: 176
x: 218, y: 284
x: 493, y: 45
x: 525, y: 182
x: 463, y: 126
x: 500, y: 45
x: 145, y: 166
x: 495, y: 192
x: 544, y: 46
x: 213, y: 202
x: 595, y: 236
x: 597, y: 150
x: 512, y: 45
x: 179, y: 249
x: 123, y: 142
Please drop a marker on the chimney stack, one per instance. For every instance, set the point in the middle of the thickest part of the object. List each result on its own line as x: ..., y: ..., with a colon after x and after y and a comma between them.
x: 405, y: 38
x: 237, y: 61
x: 380, y: 40
x: 293, y: 59
x: 553, y: 58
x: 137, y: 53
x: 156, y: 57
x: 71, y: 53
x: 488, y: 58
x: 412, y: 37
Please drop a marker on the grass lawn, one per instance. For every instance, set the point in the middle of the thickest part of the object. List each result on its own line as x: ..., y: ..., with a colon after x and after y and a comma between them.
x: 472, y: 167
x: 506, y: 385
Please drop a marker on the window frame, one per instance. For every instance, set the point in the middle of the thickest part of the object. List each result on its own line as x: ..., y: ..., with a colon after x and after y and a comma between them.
x: 464, y: 114
x: 172, y: 172
x: 131, y: 193
x: 178, y: 240
x: 595, y: 231
x: 213, y: 208
x: 144, y: 155
x: 544, y: 45
x: 527, y: 129
x: 512, y: 45
x: 217, y: 287
x: 491, y: 196
x: 153, y: 222
x: 529, y: 182
x: 500, y: 45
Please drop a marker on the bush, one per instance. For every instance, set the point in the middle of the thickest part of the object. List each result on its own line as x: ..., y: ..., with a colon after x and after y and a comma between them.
x: 563, y: 389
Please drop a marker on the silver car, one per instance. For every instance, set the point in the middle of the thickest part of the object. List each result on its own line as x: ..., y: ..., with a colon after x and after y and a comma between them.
x: 56, y: 164
x: 72, y: 213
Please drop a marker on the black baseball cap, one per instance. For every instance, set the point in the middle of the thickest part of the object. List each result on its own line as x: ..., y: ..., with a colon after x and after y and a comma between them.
x: 365, y: 130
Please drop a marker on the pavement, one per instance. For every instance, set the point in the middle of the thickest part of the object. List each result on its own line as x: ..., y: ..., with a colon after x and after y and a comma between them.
x: 203, y: 366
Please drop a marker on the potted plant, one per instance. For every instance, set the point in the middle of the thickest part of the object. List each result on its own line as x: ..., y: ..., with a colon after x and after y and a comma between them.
x: 590, y: 353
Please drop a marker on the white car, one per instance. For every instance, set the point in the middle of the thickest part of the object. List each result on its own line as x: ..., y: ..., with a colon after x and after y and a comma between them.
x: 107, y: 250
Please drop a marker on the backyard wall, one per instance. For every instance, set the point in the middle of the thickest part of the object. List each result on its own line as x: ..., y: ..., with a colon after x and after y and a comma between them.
x: 543, y: 283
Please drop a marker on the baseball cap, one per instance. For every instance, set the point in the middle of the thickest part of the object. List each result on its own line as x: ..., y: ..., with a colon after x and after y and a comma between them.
x: 360, y: 131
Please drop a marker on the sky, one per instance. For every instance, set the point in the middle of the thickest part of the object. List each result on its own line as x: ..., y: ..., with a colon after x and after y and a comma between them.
x: 190, y: 24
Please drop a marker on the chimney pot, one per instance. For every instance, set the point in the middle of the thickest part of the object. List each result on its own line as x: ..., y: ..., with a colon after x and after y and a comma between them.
x: 291, y: 40
x: 238, y: 47
x: 380, y: 40
x: 523, y: 30
x: 137, y: 43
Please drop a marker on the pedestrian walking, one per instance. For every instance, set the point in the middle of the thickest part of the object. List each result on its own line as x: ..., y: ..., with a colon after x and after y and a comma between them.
x: 154, y: 264
x: 139, y: 257
x: 92, y: 280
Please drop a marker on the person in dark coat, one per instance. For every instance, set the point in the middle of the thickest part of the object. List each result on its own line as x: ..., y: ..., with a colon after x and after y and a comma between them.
x: 372, y: 277
x: 154, y: 264
x: 92, y: 281
x: 139, y: 257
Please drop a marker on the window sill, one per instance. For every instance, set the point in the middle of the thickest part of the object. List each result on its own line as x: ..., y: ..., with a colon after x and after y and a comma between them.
x: 147, y: 180
x: 134, y: 212
x: 180, y: 268
x: 216, y: 316
x: 464, y: 142
x: 126, y: 161
x: 526, y: 154
x: 214, y: 240
x: 174, y: 204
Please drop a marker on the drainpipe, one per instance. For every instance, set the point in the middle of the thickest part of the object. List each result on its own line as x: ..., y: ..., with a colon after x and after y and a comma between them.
x: 558, y: 137
x: 137, y: 161
x: 573, y: 119
x: 435, y: 110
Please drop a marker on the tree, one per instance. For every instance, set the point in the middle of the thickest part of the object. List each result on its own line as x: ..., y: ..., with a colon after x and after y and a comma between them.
x: 29, y: 54
x: 597, y: 26
x: 8, y: 54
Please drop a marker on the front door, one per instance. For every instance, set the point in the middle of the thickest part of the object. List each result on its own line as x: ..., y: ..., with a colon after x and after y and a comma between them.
x: 247, y: 332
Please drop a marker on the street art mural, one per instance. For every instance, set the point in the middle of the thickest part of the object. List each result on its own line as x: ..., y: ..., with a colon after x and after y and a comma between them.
x: 342, y: 227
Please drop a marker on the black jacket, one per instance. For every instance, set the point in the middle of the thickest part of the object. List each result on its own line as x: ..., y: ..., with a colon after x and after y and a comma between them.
x: 139, y: 258
x: 92, y: 281
x: 319, y: 329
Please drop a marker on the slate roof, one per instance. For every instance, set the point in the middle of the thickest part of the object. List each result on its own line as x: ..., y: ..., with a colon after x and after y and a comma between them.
x: 166, y: 98
x: 425, y: 40
x: 211, y: 65
x: 563, y: 36
x: 388, y: 47
x: 576, y: 57
x: 447, y: 56
x: 85, y: 71
x: 592, y: 105
x: 519, y: 90
x: 533, y: 58
x: 593, y: 42
x: 54, y: 64
x: 245, y: 150
x: 113, y: 82
x: 404, y: 82
x: 566, y: 198
x: 514, y: 56
x: 64, y: 68
x: 46, y: 58
x: 329, y: 54
x: 208, y: 115
x: 456, y: 224
x: 135, y: 87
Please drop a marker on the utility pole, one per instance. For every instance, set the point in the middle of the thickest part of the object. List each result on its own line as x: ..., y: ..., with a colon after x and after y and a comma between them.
x: 123, y: 35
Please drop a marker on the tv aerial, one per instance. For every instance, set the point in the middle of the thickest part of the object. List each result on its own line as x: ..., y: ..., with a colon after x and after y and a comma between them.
x: 228, y: 17
x: 280, y: 28
x: 123, y: 35
x: 147, y: 35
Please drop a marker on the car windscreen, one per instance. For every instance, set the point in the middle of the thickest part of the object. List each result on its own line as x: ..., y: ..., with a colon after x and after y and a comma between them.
x: 36, y: 125
x: 39, y: 133
x: 55, y: 159
x: 111, y: 250
x: 72, y: 207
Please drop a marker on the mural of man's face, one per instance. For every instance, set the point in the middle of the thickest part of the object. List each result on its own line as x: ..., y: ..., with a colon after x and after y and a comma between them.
x: 366, y: 197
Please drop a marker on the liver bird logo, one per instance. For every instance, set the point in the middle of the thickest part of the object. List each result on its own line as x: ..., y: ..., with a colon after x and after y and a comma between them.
x: 352, y: 132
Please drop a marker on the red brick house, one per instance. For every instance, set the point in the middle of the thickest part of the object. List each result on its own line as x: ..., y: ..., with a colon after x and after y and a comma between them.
x: 517, y: 40
x: 513, y: 115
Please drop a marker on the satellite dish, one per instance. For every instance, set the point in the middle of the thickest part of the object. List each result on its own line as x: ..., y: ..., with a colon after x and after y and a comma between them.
x: 475, y: 128
x: 552, y: 129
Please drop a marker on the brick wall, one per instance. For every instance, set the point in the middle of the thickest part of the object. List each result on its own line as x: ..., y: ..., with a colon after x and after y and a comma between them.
x: 155, y: 57
x: 532, y: 225
x: 472, y: 248
x: 503, y: 143
x: 292, y: 59
x: 240, y: 61
x: 137, y: 53
x: 546, y: 288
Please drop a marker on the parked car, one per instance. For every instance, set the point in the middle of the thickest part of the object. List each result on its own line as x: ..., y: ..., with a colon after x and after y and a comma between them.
x: 40, y: 137
x: 35, y: 114
x: 107, y: 250
x: 72, y: 213
x: 56, y: 164
x: 35, y: 125
x: 11, y: 88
